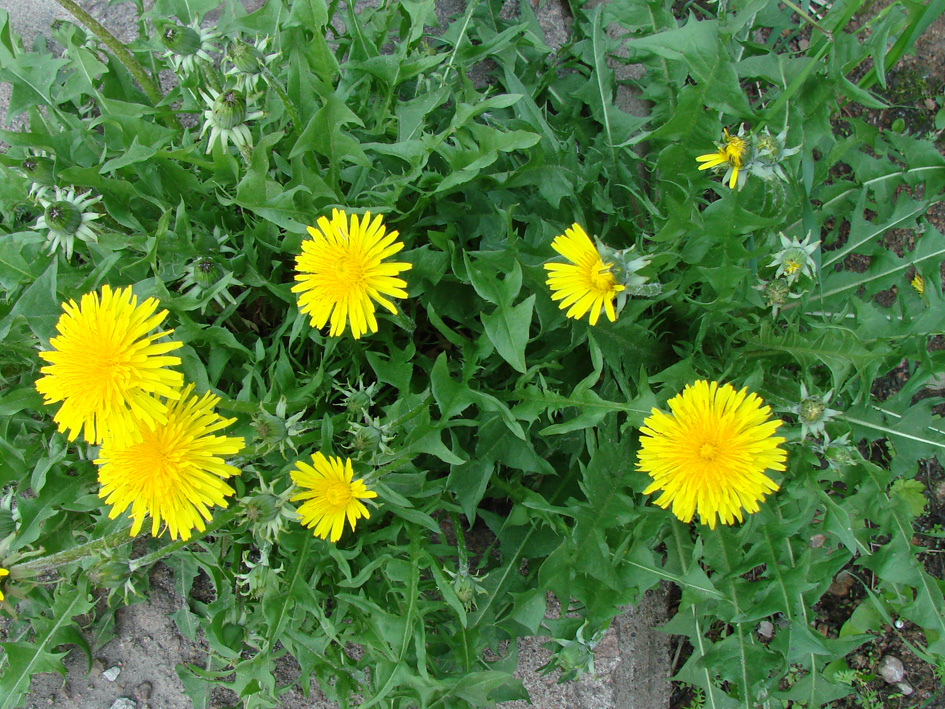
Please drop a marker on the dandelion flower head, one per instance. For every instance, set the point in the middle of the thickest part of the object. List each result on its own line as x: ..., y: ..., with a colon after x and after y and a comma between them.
x: 331, y: 495
x: 342, y: 272
x: 3, y: 572
x: 104, y: 366
x: 585, y: 284
x: 731, y: 153
x: 173, y: 471
x: 709, y: 455
x: 918, y: 284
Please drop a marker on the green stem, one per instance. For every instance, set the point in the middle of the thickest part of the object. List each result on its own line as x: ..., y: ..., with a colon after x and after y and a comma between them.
x: 290, y: 109
x: 155, y: 556
x: 122, y: 52
x: 462, y: 556
x: 807, y: 18
x: 238, y: 407
x: 69, y: 556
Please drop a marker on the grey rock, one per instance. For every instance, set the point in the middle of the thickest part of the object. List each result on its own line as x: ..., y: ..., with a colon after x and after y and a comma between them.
x: 891, y: 669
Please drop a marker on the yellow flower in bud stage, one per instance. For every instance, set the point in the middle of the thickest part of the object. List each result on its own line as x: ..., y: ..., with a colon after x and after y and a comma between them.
x: 173, y: 471
x: 3, y: 572
x: 918, y: 284
x: 104, y: 366
x: 709, y: 455
x: 330, y: 496
x: 341, y: 272
x: 731, y: 153
x: 586, y: 284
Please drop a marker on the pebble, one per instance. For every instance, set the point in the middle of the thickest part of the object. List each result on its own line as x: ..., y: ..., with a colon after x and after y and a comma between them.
x: 842, y: 584
x: 111, y: 674
x: 765, y: 630
x: 817, y: 541
x: 143, y: 691
x: 905, y: 688
x: 891, y: 669
x: 123, y: 703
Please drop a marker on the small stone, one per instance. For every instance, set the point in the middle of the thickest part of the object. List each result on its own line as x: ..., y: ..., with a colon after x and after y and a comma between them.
x: 111, y: 674
x: 905, y: 688
x: 891, y: 669
x: 842, y: 584
x: 765, y: 630
x: 930, y: 104
x: 817, y: 541
x: 803, y: 44
x: 123, y: 703
x: 143, y: 691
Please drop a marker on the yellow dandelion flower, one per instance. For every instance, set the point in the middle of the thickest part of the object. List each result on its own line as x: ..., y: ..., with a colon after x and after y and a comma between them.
x: 918, y: 284
x: 586, y: 284
x: 172, y: 471
x: 104, y: 366
x: 710, y: 454
x: 730, y: 153
x: 3, y: 572
x: 330, y: 495
x: 342, y: 272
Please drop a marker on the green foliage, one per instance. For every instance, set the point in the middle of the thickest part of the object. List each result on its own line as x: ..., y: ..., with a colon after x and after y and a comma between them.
x: 480, y: 412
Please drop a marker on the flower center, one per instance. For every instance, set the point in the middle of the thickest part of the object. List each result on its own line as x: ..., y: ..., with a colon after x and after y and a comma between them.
x: 600, y: 278
x: 708, y: 452
x: 338, y: 494
x: 349, y: 271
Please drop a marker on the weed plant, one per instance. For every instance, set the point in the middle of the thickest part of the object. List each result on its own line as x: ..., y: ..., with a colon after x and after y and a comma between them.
x: 457, y: 445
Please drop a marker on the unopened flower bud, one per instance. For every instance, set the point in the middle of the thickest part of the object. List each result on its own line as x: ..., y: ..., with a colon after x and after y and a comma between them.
x: 64, y: 217
x: 229, y: 109
x: 180, y: 39
x: 245, y: 57
x: 269, y: 429
x: 40, y: 170
x: 206, y: 273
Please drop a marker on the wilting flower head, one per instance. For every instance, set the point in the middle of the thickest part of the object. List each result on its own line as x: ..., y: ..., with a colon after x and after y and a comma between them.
x: 104, y: 366
x: 187, y: 45
x: 731, y: 153
x: 710, y: 453
x: 795, y: 258
x: 174, y: 470
x: 331, y: 495
x: 768, y: 153
x: 66, y: 219
x: 3, y: 572
x: 341, y: 272
x: 812, y: 412
x: 586, y: 284
x: 226, y: 118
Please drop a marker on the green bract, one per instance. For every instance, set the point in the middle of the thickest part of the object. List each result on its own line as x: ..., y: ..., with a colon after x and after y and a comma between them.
x: 499, y: 436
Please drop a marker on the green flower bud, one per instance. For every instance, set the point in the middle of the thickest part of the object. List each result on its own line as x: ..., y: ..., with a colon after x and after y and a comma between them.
x: 40, y: 170
x: 206, y: 273
x: 269, y: 429
x: 63, y: 217
x: 245, y: 57
x: 180, y: 39
x: 110, y: 573
x: 229, y: 109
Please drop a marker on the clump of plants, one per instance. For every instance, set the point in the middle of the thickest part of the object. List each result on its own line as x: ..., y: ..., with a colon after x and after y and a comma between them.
x: 328, y: 305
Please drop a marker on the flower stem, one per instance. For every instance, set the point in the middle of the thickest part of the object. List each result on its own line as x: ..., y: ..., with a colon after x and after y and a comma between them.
x: 69, y: 556
x: 290, y: 109
x: 122, y: 52
x: 155, y: 556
